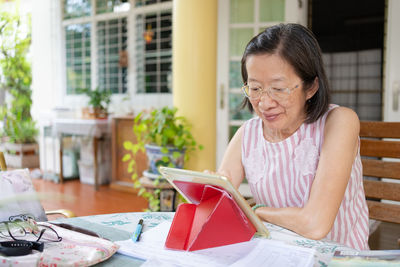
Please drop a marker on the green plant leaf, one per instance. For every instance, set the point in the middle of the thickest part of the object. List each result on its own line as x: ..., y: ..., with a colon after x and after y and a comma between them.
x: 137, y: 184
x: 176, y: 154
x: 165, y: 159
x: 128, y: 145
x: 164, y: 150
x: 126, y: 157
x: 142, y: 191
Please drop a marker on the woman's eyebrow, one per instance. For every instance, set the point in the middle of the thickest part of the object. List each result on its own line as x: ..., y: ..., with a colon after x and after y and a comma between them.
x: 277, y: 79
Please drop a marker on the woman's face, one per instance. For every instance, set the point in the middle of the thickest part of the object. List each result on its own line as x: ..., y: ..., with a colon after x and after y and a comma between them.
x: 282, y: 115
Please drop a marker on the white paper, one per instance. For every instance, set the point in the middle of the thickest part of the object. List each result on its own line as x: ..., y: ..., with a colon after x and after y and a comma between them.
x: 257, y: 252
x: 275, y: 253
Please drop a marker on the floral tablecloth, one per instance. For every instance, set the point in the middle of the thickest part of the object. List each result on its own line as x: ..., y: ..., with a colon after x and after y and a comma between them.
x: 119, y: 226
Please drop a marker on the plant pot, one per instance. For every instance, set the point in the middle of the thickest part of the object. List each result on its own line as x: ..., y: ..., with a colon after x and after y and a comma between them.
x: 22, y: 155
x: 93, y: 113
x: 155, y: 158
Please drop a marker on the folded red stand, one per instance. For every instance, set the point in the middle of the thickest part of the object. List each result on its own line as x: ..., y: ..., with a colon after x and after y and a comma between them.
x: 214, y: 219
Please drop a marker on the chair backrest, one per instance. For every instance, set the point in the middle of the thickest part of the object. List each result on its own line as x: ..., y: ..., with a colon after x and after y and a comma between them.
x: 3, y: 166
x: 378, y: 140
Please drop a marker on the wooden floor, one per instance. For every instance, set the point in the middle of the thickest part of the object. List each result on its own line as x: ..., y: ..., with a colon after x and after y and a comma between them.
x: 84, y: 200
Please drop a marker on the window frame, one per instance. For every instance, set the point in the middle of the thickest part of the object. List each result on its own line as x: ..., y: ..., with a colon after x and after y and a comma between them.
x: 138, y: 100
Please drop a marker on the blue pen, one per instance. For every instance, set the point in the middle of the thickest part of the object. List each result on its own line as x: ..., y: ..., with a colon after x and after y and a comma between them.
x: 138, y: 231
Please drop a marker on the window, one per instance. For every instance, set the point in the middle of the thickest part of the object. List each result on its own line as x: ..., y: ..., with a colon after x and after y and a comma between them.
x: 77, y: 39
x: 111, y: 44
x: 97, y: 47
x: 153, y: 67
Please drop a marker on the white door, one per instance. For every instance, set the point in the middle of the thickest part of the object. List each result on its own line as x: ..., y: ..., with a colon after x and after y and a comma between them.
x: 238, y: 22
x: 392, y: 63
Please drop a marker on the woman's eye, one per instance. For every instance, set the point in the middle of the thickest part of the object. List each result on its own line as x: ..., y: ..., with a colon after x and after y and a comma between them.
x: 278, y: 90
x: 255, y: 89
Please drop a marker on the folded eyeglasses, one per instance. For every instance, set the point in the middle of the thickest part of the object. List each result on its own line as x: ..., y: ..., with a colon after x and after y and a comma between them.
x: 24, y: 234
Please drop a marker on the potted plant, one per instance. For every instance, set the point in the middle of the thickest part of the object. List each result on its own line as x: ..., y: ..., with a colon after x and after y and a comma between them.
x: 19, y: 131
x: 98, y: 103
x: 167, y: 140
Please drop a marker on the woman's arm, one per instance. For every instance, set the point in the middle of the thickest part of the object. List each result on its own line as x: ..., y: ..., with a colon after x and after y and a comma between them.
x: 338, y: 152
x: 231, y: 166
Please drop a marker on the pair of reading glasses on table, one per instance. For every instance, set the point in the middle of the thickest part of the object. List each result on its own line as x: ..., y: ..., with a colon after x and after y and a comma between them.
x: 24, y: 234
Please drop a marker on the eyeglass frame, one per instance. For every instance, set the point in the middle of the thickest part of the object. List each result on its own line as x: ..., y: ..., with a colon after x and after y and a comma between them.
x: 8, y: 247
x: 269, y: 91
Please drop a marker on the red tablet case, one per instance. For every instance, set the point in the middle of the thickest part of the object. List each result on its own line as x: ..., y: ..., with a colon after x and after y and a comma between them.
x: 214, y: 219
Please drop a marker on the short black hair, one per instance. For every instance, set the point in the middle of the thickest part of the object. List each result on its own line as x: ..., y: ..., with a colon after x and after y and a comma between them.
x: 298, y: 46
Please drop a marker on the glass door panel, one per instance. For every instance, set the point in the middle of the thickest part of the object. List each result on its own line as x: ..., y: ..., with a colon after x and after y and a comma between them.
x: 272, y: 10
x: 241, y: 11
x: 238, y: 39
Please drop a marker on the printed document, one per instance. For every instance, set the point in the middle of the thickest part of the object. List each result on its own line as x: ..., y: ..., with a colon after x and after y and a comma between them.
x: 256, y: 252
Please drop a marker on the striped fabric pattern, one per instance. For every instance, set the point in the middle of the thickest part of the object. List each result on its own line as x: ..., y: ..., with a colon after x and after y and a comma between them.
x: 281, y: 175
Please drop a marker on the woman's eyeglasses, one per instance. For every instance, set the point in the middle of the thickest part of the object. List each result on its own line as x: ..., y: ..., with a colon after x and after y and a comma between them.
x: 28, y: 232
x: 254, y: 93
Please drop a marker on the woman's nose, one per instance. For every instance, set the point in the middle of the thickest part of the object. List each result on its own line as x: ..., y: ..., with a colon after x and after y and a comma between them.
x: 266, y: 100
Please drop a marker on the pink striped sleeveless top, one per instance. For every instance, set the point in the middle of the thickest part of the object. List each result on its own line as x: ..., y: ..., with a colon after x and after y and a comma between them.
x: 281, y: 175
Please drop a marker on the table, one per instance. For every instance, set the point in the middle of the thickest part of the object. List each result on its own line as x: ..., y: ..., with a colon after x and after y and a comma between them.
x: 94, y: 129
x: 119, y: 226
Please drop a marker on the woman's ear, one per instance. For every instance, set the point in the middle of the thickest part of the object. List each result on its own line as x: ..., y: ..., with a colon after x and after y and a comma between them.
x: 313, y: 89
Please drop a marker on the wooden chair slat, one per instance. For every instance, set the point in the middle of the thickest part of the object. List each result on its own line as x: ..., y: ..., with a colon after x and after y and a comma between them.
x: 384, y: 211
x: 380, y: 129
x: 382, y: 190
x: 380, y: 148
x: 372, y: 145
x: 381, y: 169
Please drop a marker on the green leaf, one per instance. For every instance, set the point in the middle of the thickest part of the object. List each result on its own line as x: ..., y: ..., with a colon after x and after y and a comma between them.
x: 176, y: 154
x: 164, y: 150
x: 141, y: 191
x: 126, y: 157
x: 128, y: 145
x: 130, y: 166
x: 137, y: 184
x: 165, y: 159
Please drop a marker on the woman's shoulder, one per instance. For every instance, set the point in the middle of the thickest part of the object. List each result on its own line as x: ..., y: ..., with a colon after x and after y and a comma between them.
x: 342, y: 118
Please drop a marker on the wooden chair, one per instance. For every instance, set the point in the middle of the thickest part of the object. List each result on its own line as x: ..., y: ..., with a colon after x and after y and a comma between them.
x: 378, y: 149
x: 64, y: 212
x: 372, y: 145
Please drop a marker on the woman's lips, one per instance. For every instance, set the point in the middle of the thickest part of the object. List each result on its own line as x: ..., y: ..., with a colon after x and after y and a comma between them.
x: 270, y: 117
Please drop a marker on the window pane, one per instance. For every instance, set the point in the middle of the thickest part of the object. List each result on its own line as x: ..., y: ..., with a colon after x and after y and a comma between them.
x: 76, y: 8
x: 153, y: 52
x: 105, y: 6
x: 111, y: 47
x: 241, y: 11
x: 235, y: 76
x: 235, y: 112
x: 77, y: 57
x: 272, y: 10
x: 149, y: 2
x: 238, y: 40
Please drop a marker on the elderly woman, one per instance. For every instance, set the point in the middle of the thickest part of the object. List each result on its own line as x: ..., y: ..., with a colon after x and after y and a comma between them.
x: 300, y: 154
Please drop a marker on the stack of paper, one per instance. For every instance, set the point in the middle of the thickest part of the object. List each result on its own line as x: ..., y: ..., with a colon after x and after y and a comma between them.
x: 257, y: 252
